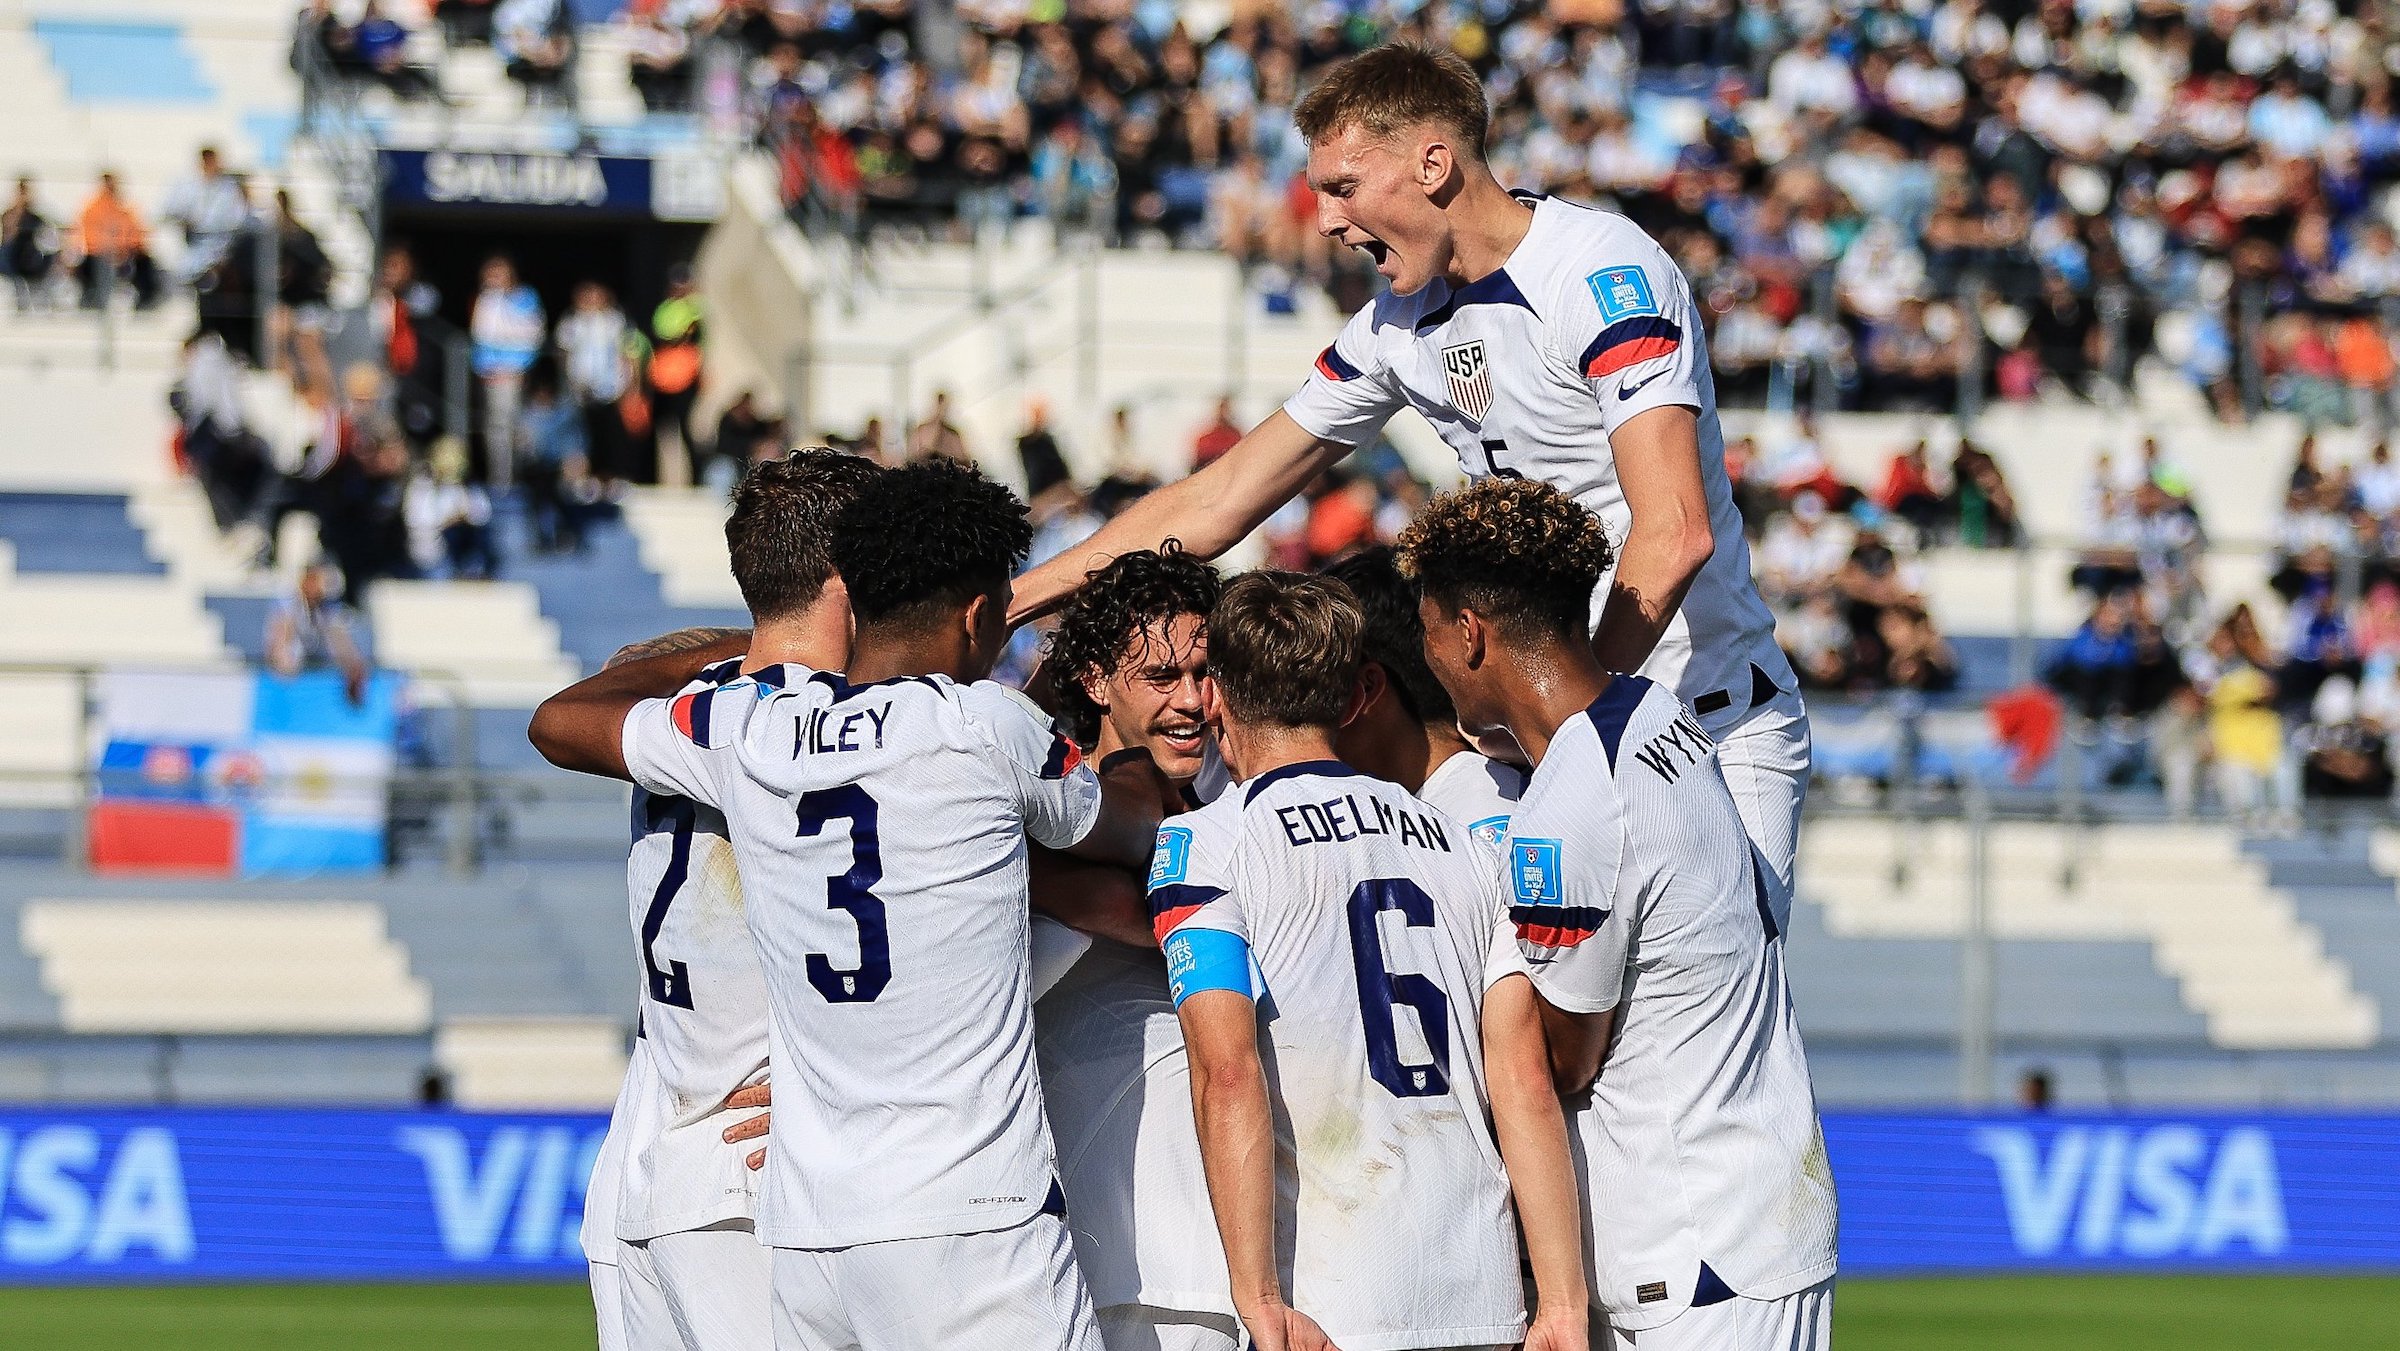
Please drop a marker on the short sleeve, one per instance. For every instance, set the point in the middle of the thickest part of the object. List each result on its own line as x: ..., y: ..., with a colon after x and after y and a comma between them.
x: 1190, y: 880
x: 1349, y: 395
x: 1569, y: 927
x: 1055, y: 791
x: 678, y: 745
x: 1634, y: 335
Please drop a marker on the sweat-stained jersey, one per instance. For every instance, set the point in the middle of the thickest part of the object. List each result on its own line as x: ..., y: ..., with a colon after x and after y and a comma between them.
x: 880, y: 831
x: 1528, y: 371
x: 703, y: 1003
x: 1367, y: 927
x: 1635, y: 889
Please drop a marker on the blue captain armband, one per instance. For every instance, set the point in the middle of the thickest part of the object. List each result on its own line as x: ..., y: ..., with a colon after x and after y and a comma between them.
x: 1207, y: 959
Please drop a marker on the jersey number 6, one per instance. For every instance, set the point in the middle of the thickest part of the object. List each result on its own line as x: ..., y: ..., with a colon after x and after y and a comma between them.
x: 1379, y: 989
x: 852, y: 891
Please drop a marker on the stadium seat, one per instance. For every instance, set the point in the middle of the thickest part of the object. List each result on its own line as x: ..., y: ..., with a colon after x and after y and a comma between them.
x: 223, y: 966
x: 498, y: 1064
x: 490, y: 637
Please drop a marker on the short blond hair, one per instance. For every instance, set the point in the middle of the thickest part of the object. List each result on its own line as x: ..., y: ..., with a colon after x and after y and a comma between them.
x: 1398, y: 85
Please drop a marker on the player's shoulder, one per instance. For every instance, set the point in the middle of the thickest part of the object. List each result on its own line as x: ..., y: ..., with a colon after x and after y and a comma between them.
x: 1591, y: 268
x: 715, y: 708
x: 1596, y: 742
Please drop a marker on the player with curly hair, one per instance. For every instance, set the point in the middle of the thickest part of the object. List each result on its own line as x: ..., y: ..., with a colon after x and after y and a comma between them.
x: 1650, y: 927
x: 1543, y: 340
x: 1129, y: 657
x: 881, y: 820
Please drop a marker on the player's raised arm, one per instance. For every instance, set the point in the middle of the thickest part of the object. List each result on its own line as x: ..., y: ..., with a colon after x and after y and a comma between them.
x: 582, y: 727
x: 1209, y: 512
x: 1658, y: 465
x: 1532, y: 1132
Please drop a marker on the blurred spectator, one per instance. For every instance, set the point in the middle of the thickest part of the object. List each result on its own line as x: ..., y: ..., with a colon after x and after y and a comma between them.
x: 1801, y: 553
x: 2245, y: 734
x: 28, y: 247
x: 1038, y: 455
x: 211, y: 209
x: 937, y: 434
x: 739, y: 428
x: 1987, y: 510
x: 1908, y: 492
x: 303, y: 306
x: 536, y: 43
x: 675, y: 374
x: 311, y: 629
x: 396, y: 308
x: 552, y: 454
x: 2343, y: 749
x: 592, y: 351
x: 1220, y: 435
x: 380, y: 44
x: 508, y: 327
x: 449, y: 518
x: 658, y: 57
x: 230, y: 462
x: 110, y: 248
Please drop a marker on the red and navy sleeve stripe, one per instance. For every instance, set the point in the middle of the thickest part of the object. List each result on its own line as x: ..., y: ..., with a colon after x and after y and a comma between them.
x: 1630, y: 342
x: 691, y: 713
x: 1064, y: 756
x: 1556, y: 926
x: 1173, y: 904
x: 1332, y: 367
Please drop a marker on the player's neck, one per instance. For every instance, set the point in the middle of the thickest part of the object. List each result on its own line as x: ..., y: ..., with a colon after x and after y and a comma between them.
x: 1441, y: 743
x: 878, y: 654
x: 1543, y: 688
x: 1252, y: 751
x: 817, y: 637
x: 1486, y: 225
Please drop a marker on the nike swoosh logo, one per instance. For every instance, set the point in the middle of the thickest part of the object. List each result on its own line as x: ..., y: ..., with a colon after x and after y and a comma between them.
x: 1635, y: 388
x: 1539, y: 961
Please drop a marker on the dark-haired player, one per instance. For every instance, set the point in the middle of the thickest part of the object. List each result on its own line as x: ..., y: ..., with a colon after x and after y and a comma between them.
x: 1366, y: 1054
x: 1645, y: 918
x: 1543, y: 340
x: 671, y: 1204
x: 1129, y: 655
x: 1405, y: 730
x: 880, y: 820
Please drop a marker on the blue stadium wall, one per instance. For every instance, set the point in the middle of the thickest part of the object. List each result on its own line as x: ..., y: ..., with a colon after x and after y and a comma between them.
x: 176, y: 1195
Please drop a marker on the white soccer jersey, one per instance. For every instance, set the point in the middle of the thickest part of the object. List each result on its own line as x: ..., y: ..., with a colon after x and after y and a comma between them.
x: 1478, y: 790
x: 1635, y: 889
x: 1374, y: 924
x: 634, y: 1114
x: 1119, y: 1089
x: 1528, y: 371
x: 881, y: 833
x: 703, y: 1004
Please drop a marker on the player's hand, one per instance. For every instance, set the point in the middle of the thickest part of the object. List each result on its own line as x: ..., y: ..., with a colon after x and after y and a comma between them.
x: 756, y: 1095
x: 1565, y: 1330
x: 1280, y: 1327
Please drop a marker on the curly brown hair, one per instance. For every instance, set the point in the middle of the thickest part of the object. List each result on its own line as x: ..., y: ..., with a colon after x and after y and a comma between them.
x: 1517, y: 551
x: 1098, y: 628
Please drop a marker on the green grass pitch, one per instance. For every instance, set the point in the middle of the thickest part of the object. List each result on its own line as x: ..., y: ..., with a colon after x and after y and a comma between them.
x: 2102, y: 1313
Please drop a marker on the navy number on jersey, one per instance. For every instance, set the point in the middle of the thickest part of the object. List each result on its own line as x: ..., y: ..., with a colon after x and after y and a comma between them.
x: 1379, y: 989
x: 672, y: 983
x: 852, y: 892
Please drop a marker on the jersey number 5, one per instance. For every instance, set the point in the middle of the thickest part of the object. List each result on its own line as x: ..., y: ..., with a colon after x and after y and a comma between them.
x: 852, y: 891
x: 1379, y: 989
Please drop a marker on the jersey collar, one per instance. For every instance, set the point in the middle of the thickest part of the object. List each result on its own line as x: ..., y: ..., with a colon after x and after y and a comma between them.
x: 1323, y: 769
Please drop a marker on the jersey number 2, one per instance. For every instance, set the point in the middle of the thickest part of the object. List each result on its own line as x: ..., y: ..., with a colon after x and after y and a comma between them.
x: 851, y: 891
x: 1379, y: 988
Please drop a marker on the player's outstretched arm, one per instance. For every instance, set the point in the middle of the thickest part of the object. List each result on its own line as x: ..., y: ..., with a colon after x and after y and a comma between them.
x: 582, y: 727
x: 1658, y: 464
x: 1237, y: 1153
x: 1533, y: 1143
x: 1099, y: 899
x: 1209, y: 512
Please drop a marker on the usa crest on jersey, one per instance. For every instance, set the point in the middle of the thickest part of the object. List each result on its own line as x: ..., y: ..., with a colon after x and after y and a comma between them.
x: 1470, y: 379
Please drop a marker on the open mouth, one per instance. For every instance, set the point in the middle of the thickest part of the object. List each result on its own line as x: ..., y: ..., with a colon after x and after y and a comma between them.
x: 1375, y: 249
x: 1183, y: 740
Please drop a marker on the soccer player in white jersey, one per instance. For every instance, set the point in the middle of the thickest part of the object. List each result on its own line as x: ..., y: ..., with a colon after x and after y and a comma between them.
x: 692, y: 1274
x: 1646, y: 922
x: 1368, y: 1068
x: 1542, y: 340
x: 1128, y: 658
x: 1405, y: 729
x: 880, y: 822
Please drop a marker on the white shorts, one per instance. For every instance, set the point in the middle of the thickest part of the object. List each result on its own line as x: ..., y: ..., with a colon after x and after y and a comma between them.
x: 701, y: 1290
x: 608, y: 1305
x: 1017, y: 1288
x: 1802, y: 1321
x: 1764, y: 752
x: 1143, y: 1327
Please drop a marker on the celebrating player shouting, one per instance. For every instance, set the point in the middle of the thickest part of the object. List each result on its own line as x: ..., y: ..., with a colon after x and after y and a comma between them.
x: 1646, y: 922
x: 1543, y: 340
x: 1365, y: 1050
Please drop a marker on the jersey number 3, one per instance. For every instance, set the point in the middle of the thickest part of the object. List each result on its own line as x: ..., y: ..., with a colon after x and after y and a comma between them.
x: 1379, y: 988
x: 851, y: 891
